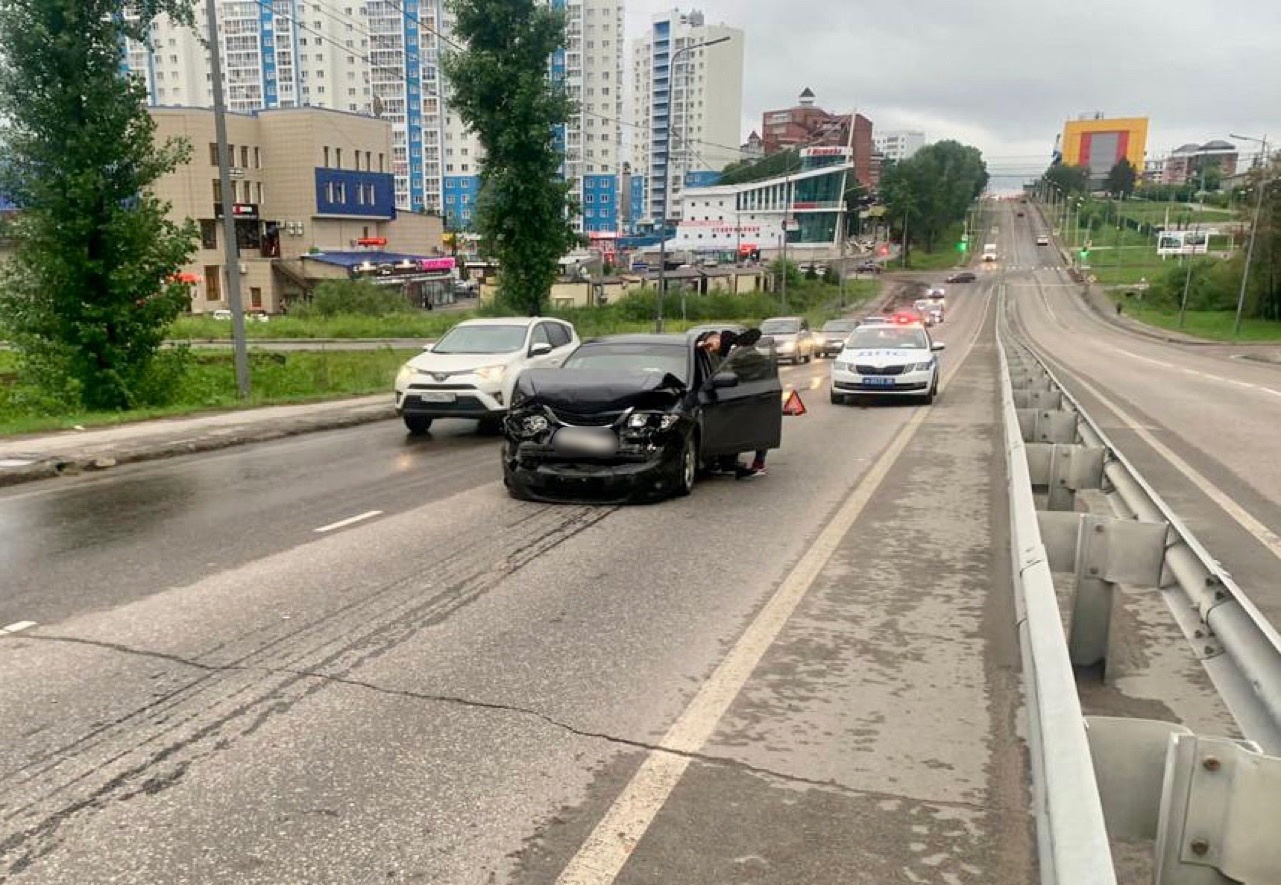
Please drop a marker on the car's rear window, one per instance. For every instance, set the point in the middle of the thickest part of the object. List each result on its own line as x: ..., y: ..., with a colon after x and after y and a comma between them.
x: 780, y: 327
x: 887, y: 338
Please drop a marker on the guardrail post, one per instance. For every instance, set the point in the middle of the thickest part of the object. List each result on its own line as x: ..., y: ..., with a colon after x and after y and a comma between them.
x: 1092, y: 601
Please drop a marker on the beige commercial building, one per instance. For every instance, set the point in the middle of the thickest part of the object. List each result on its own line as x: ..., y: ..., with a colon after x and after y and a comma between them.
x: 314, y: 199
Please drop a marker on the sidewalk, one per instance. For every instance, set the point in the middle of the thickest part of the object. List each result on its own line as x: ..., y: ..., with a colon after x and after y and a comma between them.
x: 28, y: 458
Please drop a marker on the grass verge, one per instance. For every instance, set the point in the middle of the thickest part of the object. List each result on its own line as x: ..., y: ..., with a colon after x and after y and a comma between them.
x: 210, y: 385
x: 1213, y: 325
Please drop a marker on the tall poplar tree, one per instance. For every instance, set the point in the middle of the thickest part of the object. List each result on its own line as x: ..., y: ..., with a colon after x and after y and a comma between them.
x: 86, y: 299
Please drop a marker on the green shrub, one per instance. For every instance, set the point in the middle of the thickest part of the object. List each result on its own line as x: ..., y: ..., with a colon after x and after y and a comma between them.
x: 352, y: 297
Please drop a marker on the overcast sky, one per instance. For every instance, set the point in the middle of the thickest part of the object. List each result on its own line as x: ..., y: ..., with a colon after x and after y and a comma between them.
x: 1003, y: 75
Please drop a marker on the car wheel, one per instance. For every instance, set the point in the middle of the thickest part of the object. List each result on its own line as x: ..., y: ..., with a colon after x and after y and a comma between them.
x: 837, y: 399
x: 687, y: 467
x: 418, y: 425
x: 934, y: 392
x: 807, y: 358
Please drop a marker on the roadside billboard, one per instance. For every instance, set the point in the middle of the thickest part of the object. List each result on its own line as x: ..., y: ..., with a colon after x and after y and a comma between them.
x: 1183, y: 242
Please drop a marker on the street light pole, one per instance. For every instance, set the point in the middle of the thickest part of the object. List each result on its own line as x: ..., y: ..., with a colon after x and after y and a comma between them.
x: 231, y: 248
x: 1254, y: 229
x: 787, y: 207
x: 667, y: 176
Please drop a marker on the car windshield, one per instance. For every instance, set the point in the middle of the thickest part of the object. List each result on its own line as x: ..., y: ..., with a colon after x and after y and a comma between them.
x: 888, y: 338
x: 482, y: 339
x: 840, y: 326
x: 780, y: 327
x: 607, y: 357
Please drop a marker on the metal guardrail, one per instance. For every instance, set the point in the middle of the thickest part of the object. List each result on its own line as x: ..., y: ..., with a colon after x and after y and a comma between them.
x: 1209, y: 806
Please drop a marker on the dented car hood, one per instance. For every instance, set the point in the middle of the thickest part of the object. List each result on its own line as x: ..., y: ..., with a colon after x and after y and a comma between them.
x: 585, y: 391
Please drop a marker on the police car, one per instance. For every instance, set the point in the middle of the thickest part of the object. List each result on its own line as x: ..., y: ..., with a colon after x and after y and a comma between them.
x: 896, y: 359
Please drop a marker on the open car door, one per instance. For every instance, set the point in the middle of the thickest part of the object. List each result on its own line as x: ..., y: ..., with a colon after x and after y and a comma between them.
x: 742, y: 405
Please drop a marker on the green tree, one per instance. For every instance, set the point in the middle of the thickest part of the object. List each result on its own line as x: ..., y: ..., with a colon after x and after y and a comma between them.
x: 500, y: 87
x: 1069, y: 179
x: 1121, y: 178
x: 932, y: 190
x: 85, y: 297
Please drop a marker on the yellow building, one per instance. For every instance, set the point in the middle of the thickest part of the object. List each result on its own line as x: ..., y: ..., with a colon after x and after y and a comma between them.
x: 314, y: 199
x: 1099, y: 144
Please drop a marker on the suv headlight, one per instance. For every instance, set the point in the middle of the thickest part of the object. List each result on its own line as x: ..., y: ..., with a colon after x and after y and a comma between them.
x: 490, y: 373
x: 921, y: 367
x: 404, y: 376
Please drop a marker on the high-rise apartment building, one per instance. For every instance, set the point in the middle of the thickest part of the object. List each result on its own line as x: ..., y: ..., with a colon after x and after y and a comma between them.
x: 382, y: 58
x: 898, y: 145
x: 696, y: 98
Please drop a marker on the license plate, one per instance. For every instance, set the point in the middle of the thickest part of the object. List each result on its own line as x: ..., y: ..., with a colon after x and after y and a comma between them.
x: 879, y: 382
x: 438, y: 397
x: 585, y: 441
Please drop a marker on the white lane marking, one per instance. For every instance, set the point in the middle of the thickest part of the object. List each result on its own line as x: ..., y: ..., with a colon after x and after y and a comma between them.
x: 18, y: 627
x: 351, y: 520
x: 1199, y: 374
x: 1243, y: 517
x: 600, y: 859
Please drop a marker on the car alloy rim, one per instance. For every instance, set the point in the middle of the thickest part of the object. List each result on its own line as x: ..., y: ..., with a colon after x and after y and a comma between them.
x: 687, y: 464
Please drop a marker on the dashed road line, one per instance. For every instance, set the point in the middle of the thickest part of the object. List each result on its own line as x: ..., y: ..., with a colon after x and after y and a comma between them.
x: 351, y: 520
x: 18, y: 627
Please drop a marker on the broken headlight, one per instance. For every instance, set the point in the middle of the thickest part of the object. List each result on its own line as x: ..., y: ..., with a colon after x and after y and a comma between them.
x: 650, y: 422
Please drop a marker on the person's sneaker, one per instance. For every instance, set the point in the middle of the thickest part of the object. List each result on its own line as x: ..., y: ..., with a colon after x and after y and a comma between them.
x: 749, y: 472
x: 758, y: 466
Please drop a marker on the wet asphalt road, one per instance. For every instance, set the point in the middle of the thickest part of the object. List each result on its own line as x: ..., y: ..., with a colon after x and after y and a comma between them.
x: 468, y: 689
x: 1212, y: 409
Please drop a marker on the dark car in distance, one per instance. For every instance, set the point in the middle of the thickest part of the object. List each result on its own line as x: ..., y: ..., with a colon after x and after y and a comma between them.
x: 635, y: 417
x: 964, y: 276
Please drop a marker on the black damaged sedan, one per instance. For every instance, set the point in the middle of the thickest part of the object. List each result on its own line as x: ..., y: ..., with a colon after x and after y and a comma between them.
x: 635, y: 417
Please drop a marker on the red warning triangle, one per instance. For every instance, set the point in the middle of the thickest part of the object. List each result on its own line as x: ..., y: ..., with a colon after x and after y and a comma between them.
x: 793, y: 405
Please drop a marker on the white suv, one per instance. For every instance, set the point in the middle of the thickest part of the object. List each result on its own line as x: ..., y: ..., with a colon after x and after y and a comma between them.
x: 896, y: 359
x: 471, y: 370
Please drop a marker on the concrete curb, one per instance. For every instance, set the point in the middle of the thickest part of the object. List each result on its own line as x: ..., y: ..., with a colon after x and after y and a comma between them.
x: 211, y: 441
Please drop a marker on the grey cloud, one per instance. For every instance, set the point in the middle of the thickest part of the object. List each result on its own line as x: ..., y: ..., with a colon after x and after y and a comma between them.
x: 1005, y: 74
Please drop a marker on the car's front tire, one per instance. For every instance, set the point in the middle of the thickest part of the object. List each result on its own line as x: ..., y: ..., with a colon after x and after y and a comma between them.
x: 686, y: 467
x: 838, y: 399
x: 417, y: 425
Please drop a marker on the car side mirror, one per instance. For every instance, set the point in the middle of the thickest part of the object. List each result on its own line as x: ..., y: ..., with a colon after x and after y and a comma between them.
x: 427, y: 347
x: 540, y: 349
x: 936, y: 346
x: 722, y: 380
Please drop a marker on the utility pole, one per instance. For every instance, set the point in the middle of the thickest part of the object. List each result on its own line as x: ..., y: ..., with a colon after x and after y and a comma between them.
x: 1254, y: 228
x: 667, y: 174
x: 787, y: 208
x: 231, y: 248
